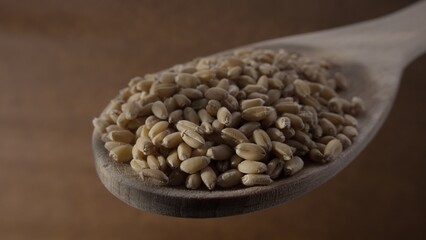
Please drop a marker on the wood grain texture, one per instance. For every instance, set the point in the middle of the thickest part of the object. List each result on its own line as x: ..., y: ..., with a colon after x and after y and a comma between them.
x: 61, y: 61
x: 373, y: 76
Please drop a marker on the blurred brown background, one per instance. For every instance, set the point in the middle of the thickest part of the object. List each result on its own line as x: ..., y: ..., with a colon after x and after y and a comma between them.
x: 61, y: 61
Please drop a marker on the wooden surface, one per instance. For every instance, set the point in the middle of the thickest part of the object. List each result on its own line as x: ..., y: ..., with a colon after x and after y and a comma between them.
x: 60, y: 63
x: 373, y: 76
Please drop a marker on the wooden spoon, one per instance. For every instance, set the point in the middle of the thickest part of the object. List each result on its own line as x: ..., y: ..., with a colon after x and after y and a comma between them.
x: 372, y: 54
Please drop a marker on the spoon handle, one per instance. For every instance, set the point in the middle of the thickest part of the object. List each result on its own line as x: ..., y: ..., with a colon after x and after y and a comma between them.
x: 391, y: 41
x: 402, y: 34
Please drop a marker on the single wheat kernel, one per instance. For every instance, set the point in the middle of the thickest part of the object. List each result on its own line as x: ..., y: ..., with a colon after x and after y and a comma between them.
x: 294, y: 165
x: 153, y: 162
x: 350, y: 132
x: 254, y: 88
x: 357, y: 106
x: 346, y: 142
x: 231, y: 103
x: 163, y: 162
x: 113, y: 127
x: 302, y: 88
x: 175, y: 116
x: 325, y: 139
x: 187, y: 80
x: 191, y: 93
x: 173, y: 160
x: 181, y: 100
x: 328, y: 127
x: 122, y: 153
x: 224, y: 116
x: 276, y: 84
x: 204, y: 75
x: 250, y: 151
x: 193, y: 181
x: 216, y: 93
x: 233, y: 90
x: 332, y: 150
x: 167, y: 77
x: 158, y: 128
x: 220, y: 152
x: 287, y: 107
x: 122, y: 121
x: 205, y: 128
x: 276, y: 135
x: 100, y: 125
x: 137, y: 164
x: 233, y: 136
x: 160, y: 110
x: 164, y: 89
x: 252, y: 103
x: 145, y: 145
x: 184, y: 151
x: 172, y: 140
x: 263, y: 81
x: 282, y: 150
x: 295, y: 121
x: 194, y: 164
x: 256, y: 179
x: 124, y: 136
x: 258, y: 95
x: 327, y: 93
x: 248, y: 166
x: 212, y: 107
x: 275, y: 167
x: 217, y: 126
x: 208, y: 176
x: 229, y: 178
x: 262, y: 139
x: 350, y: 121
x: 131, y: 110
x: 234, y: 72
x: 111, y: 144
x: 257, y: 113
x: 191, y: 115
x: 283, y: 122
x: 192, y: 138
x: 154, y: 176
x: 316, y: 155
x: 186, y: 125
x: 334, y: 118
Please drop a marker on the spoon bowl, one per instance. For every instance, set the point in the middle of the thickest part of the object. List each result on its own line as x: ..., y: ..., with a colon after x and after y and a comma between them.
x: 372, y: 55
